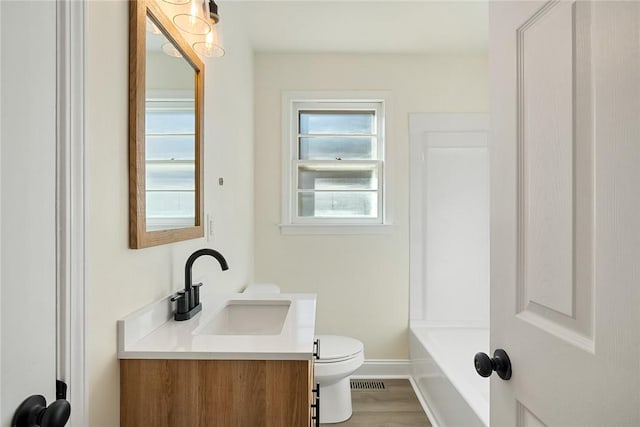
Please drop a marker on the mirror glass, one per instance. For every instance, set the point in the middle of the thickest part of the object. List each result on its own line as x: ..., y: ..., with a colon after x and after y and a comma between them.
x: 170, y: 131
x: 166, y: 87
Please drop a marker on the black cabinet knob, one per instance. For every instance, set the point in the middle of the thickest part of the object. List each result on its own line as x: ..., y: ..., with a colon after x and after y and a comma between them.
x: 499, y: 362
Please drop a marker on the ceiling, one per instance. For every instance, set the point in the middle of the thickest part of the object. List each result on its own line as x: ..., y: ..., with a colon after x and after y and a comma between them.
x: 358, y: 26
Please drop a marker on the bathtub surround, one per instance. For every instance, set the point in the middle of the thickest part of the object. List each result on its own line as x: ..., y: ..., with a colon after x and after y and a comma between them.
x: 371, y: 306
x: 148, y: 274
x: 450, y: 264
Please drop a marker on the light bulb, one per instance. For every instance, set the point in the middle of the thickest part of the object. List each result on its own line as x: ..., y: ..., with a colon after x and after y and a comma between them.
x: 211, y: 47
x: 193, y: 12
x: 196, y: 19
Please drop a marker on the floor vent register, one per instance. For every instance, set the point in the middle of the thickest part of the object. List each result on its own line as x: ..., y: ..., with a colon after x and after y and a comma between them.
x: 368, y: 385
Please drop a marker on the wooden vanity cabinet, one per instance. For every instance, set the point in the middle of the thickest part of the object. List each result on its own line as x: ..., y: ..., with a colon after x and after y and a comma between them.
x: 225, y: 393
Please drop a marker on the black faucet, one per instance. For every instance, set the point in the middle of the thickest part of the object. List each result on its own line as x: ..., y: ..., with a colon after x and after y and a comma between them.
x: 188, y: 300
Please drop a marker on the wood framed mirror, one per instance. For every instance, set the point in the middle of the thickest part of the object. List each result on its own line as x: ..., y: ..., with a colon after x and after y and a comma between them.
x: 166, y: 95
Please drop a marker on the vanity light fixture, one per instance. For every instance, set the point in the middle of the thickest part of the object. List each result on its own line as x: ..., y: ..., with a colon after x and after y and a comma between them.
x: 211, y: 47
x: 195, y: 20
x: 213, y: 12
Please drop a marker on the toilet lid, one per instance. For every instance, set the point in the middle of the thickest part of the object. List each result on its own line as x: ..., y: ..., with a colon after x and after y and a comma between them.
x: 334, y: 348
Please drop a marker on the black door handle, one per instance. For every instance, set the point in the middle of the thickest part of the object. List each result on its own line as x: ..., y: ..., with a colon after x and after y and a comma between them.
x: 34, y: 412
x: 499, y: 362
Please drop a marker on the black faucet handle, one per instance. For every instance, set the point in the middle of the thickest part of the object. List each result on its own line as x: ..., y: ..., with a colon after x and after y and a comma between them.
x: 195, y: 292
x: 183, y: 302
x: 177, y: 296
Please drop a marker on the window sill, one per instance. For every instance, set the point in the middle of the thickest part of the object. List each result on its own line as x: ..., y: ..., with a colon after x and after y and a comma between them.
x: 334, y: 229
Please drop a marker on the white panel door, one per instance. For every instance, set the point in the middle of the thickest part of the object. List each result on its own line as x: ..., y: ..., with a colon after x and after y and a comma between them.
x: 565, y: 203
x: 28, y: 203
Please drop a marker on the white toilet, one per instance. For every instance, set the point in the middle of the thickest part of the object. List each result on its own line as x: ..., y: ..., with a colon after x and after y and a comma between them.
x: 339, y: 358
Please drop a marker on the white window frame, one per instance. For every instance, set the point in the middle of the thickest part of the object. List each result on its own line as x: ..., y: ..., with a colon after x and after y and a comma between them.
x: 292, y: 103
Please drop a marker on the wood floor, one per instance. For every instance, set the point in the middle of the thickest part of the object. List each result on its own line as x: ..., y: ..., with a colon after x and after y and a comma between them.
x: 397, y: 406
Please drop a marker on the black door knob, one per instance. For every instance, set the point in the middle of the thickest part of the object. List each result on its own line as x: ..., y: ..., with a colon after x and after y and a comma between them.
x: 34, y: 412
x: 499, y: 363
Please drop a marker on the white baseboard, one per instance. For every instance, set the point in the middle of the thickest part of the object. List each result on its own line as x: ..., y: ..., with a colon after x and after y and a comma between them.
x: 384, y: 368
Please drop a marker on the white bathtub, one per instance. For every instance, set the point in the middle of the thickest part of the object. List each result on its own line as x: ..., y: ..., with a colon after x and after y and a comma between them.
x: 442, y: 364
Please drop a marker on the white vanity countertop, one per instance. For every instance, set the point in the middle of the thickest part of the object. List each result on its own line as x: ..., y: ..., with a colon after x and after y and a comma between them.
x: 152, y: 333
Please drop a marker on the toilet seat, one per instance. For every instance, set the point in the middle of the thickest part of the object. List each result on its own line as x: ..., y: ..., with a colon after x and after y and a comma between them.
x: 335, y: 348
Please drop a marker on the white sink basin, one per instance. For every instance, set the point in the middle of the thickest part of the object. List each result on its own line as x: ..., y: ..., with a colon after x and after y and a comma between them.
x: 247, y: 317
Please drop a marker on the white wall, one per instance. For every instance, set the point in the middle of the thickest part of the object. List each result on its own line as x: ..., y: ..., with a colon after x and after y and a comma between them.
x: 362, y: 281
x: 166, y: 72
x: 120, y: 280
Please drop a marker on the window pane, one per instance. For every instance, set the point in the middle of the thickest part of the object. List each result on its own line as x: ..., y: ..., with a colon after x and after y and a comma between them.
x: 170, y: 147
x: 338, y: 205
x: 172, y: 122
x: 164, y: 176
x: 327, y: 178
x: 332, y: 122
x: 332, y: 148
x: 166, y: 210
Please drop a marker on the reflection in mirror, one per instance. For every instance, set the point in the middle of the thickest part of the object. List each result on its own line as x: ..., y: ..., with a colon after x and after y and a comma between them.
x: 166, y: 87
x: 170, y: 127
